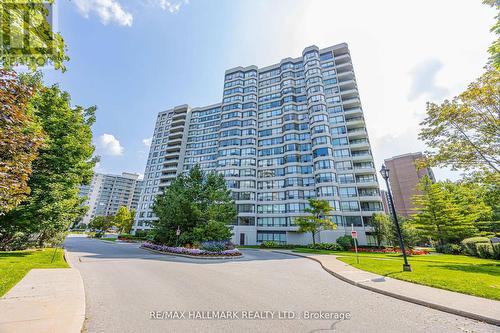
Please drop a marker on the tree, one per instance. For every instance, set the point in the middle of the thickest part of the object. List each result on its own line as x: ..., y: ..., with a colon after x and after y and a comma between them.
x: 27, y: 38
x: 191, y: 201
x: 381, y: 227
x: 495, y: 47
x: 212, y: 231
x: 465, y: 131
x: 470, y: 199
x: 20, y: 138
x: 439, y: 217
x: 123, y: 220
x: 102, y: 223
x: 317, y: 221
x: 409, y: 233
x: 64, y: 163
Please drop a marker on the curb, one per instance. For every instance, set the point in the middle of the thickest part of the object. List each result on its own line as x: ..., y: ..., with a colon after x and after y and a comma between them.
x: 193, y: 257
x: 84, y: 315
x: 461, y: 313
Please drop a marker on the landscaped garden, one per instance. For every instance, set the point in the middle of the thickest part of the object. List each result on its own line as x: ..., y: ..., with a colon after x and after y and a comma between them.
x: 459, y: 273
x: 193, y: 217
x: 14, y: 265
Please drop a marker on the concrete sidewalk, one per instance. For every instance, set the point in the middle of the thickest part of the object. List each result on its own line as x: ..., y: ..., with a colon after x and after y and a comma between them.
x: 45, y: 300
x: 477, y: 308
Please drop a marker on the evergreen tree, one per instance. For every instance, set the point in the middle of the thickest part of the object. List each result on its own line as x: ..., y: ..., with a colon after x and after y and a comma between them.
x: 439, y: 218
x: 381, y: 224
x: 190, y: 202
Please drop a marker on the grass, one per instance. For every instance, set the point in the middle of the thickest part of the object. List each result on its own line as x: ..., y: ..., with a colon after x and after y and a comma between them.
x: 463, y: 274
x: 14, y: 265
x: 110, y: 239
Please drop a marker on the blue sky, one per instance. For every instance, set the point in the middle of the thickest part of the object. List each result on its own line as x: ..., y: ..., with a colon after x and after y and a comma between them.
x: 134, y: 58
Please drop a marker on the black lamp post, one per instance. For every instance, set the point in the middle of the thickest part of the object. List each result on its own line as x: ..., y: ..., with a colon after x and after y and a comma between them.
x: 385, y: 174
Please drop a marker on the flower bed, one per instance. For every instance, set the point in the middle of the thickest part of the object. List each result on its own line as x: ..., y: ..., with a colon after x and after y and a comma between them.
x: 191, y: 252
x: 392, y: 250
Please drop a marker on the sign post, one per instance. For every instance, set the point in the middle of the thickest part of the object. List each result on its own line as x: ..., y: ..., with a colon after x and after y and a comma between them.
x: 178, y: 232
x: 354, y: 235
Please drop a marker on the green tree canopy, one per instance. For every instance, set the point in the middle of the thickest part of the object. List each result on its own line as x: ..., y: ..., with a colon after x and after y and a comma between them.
x: 465, y: 132
x: 191, y: 201
x: 439, y: 217
x: 102, y: 223
x: 123, y: 220
x: 381, y: 224
x: 494, y: 49
x: 317, y: 220
x: 64, y: 163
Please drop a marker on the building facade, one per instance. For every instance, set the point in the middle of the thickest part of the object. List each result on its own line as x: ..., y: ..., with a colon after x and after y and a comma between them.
x: 281, y: 135
x: 107, y: 193
x: 404, y: 177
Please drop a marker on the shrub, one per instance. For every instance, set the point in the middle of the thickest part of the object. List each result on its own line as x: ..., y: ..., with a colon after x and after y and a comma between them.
x: 449, y: 249
x: 213, y: 246
x: 345, y: 242
x: 99, y: 234
x: 496, y: 250
x: 326, y: 246
x: 141, y: 234
x: 126, y: 236
x: 470, y: 245
x: 276, y: 245
x: 484, y: 250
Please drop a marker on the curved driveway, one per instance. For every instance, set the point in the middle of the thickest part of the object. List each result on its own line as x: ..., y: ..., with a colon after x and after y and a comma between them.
x: 124, y: 284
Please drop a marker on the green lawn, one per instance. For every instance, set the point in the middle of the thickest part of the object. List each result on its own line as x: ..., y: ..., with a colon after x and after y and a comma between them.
x: 14, y: 265
x: 468, y: 275
x: 110, y: 239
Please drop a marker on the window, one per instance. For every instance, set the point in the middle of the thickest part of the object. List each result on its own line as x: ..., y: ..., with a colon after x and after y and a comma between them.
x: 346, y: 192
x: 275, y: 236
x: 326, y: 191
x: 349, y: 206
x: 322, y: 152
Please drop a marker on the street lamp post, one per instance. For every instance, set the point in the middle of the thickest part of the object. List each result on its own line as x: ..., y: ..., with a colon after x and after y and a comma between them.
x: 385, y: 174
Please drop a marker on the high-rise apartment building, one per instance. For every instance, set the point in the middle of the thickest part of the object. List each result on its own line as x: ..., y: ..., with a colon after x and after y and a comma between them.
x: 281, y: 135
x: 107, y: 193
x: 404, y: 177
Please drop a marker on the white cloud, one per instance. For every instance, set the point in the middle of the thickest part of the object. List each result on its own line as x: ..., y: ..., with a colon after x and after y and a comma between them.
x: 171, y: 6
x: 147, y: 142
x: 107, y: 144
x: 107, y: 10
x: 424, y: 80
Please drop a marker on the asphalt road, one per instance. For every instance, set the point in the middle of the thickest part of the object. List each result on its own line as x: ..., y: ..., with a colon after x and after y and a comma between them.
x: 125, y: 284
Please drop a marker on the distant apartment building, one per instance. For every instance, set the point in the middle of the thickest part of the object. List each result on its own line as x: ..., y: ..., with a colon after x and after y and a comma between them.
x: 404, y: 177
x: 107, y: 193
x: 281, y: 135
x: 385, y: 202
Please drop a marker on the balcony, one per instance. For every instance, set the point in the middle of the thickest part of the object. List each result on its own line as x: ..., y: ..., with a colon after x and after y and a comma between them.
x: 171, y: 161
x: 342, y: 59
x: 349, y: 102
x: 175, y: 135
x: 353, y: 111
x: 355, y: 122
x: 359, y: 132
x: 345, y: 76
x: 349, y: 93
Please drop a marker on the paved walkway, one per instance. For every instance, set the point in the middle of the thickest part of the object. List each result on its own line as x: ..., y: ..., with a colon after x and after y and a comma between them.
x: 456, y: 303
x: 45, y: 300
